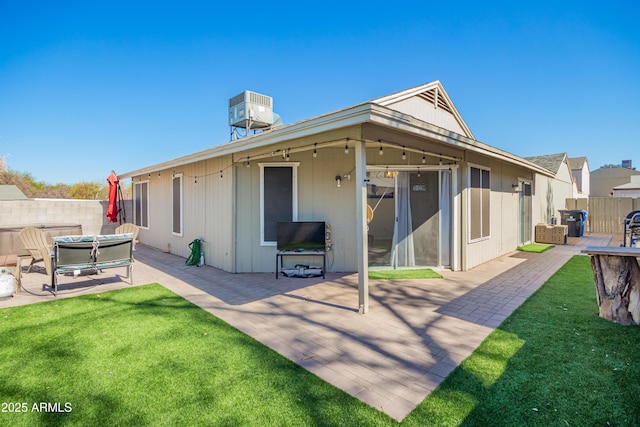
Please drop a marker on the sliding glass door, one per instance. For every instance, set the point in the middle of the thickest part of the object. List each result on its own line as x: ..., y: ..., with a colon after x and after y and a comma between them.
x: 411, y: 218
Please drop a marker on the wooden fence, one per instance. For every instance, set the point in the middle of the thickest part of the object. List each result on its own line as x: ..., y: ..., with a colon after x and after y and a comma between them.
x: 605, y: 213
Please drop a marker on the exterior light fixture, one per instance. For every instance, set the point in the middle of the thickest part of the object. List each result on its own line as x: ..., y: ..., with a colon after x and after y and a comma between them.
x: 338, y: 181
x: 390, y: 174
x: 424, y: 158
x: 404, y: 155
x: 346, y: 149
x: 515, y: 187
x: 380, y: 152
x: 315, y: 151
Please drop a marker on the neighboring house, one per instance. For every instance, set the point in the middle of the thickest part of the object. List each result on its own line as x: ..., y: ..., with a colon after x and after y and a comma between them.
x: 632, y: 189
x: 581, y: 177
x: 604, y: 179
x: 11, y: 192
x: 439, y: 197
x: 552, y: 191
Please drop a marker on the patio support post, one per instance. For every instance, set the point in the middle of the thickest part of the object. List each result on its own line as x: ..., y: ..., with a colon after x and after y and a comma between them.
x: 361, y: 227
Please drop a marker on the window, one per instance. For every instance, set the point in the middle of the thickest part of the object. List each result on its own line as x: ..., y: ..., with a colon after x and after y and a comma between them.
x: 141, y: 204
x: 479, y: 203
x: 278, y: 198
x: 177, y: 204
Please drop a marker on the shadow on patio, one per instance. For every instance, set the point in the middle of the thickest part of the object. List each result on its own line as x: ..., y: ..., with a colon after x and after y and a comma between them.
x: 416, y: 333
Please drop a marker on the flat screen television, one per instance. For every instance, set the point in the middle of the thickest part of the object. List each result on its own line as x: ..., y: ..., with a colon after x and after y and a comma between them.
x: 301, y: 236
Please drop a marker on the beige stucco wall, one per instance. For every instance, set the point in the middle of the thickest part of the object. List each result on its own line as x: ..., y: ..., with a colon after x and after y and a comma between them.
x: 207, y: 211
x: 225, y: 212
x: 552, y: 194
x: 319, y: 199
x: 582, y: 181
x: 505, y: 212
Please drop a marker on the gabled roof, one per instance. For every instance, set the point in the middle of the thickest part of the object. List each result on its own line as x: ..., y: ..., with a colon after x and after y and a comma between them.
x: 432, y: 93
x: 11, y: 192
x: 551, y: 162
x: 618, y: 170
x: 376, y: 112
x: 577, y: 163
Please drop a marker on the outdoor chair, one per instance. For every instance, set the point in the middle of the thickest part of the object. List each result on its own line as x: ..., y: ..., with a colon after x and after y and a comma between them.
x: 127, y: 227
x: 35, y: 242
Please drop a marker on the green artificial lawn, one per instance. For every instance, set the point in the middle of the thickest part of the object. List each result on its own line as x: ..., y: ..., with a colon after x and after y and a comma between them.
x: 423, y: 273
x: 553, y: 362
x: 145, y: 356
x: 535, y: 247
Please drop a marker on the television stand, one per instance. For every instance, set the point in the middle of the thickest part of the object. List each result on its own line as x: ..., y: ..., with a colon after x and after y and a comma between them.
x: 297, y: 252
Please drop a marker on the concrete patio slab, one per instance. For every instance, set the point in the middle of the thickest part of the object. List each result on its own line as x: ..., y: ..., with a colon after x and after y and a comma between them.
x: 416, y: 333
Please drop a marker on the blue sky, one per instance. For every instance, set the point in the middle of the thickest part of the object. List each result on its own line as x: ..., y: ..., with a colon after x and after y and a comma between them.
x: 86, y: 88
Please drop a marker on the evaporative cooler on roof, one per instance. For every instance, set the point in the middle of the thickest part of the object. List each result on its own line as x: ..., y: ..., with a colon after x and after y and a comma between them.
x: 251, y: 110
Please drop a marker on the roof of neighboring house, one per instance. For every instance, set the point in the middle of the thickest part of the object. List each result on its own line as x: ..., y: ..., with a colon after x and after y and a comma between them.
x: 613, y: 170
x: 11, y: 192
x: 379, y: 111
x: 633, y: 185
x: 551, y: 162
x: 577, y: 162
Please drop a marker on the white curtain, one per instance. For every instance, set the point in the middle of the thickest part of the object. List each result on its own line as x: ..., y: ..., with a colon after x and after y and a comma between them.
x: 402, y: 251
x: 445, y: 218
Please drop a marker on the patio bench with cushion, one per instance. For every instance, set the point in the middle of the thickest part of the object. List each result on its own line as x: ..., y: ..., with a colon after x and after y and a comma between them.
x: 84, y: 253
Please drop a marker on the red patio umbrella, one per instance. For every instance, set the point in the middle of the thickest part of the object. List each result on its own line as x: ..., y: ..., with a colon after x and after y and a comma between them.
x: 114, y: 186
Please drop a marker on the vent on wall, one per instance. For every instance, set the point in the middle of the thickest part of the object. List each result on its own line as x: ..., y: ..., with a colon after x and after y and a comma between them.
x: 438, y: 101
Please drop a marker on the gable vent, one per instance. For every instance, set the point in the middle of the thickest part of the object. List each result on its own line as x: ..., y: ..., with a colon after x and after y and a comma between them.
x: 432, y: 95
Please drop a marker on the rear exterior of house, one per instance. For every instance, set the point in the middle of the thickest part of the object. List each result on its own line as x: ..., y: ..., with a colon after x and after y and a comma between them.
x: 552, y: 191
x: 632, y: 189
x: 436, y: 196
x: 606, y: 178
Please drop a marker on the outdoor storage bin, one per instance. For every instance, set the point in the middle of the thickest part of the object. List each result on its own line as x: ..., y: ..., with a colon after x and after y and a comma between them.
x: 554, y: 234
x: 575, y: 220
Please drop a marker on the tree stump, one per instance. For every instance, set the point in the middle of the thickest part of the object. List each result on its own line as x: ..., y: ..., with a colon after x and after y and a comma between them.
x: 617, y: 280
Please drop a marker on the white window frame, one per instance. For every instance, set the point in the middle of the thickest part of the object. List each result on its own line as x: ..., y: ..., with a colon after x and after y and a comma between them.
x: 136, y: 189
x: 482, y: 204
x: 294, y: 190
x: 521, y: 183
x: 181, y: 232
